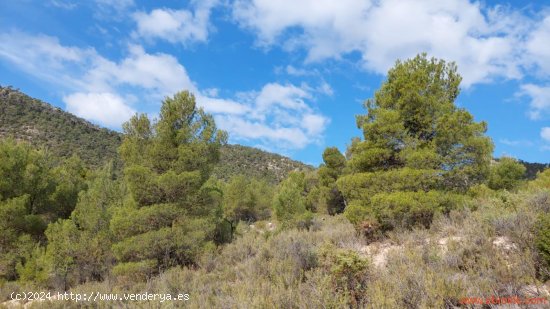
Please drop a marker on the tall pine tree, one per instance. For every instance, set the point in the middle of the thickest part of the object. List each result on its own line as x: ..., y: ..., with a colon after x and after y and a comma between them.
x: 419, y: 150
x: 170, y: 213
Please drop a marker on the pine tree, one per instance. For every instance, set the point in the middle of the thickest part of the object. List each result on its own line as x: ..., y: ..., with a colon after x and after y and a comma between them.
x: 506, y: 174
x: 330, y: 196
x: 419, y: 150
x: 246, y: 199
x: 170, y: 214
x: 33, y: 193
x: 290, y: 203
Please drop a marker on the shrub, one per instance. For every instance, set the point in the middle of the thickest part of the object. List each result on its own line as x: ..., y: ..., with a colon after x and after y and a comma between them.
x: 542, y: 242
x: 506, y: 174
x: 349, y: 273
x: 403, y: 209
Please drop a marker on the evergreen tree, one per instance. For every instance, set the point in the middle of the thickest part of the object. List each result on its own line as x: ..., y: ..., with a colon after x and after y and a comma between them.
x: 290, y: 203
x: 506, y: 174
x: 330, y: 196
x: 246, y: 200
x: 418, y: 149
x: 33, y: 193
x: 78, y: 248
x: 170, y: 212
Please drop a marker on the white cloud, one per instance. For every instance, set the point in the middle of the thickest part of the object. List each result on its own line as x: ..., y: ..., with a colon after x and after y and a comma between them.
x: 102, y: 8
x: 221, y: 106
x: 314, y: 124
x: 325, y: 88
x: 539, y: 99
x: 242, y: 129
x: 516, y: 143
x: 212, y: 92
x: 43, y: 56
x: 291, y: 70
x: 108, y: 92
x: 176, y: 26
x: 80, y: 71
x: 106, y: 108
x: 286, y: 96
x: 545, y: 133
x: 117, y: 5
x: 538, y: 46
x: 484, y: 41
x: 160, y: 73
x: 62, y: 4
x: 278, y: 116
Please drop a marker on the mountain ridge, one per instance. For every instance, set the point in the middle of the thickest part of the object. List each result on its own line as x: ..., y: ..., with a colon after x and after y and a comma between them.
x: 64, y: 134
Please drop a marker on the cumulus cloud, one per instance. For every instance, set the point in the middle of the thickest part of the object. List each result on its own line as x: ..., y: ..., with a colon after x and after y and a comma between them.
x: 537, y: 47
x: 539, y: 100
x: 221, y: 106
x: 483, y: 40
x: 43, y: 56
x: 159, y: 73
x: 106, y: 108
x: 94, y: 79
x: 176, y: 26
x: 278, y: 116
x: 108, y: 92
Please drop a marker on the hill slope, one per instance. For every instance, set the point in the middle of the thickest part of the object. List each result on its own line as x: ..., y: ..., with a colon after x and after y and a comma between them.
x: 255, y: 163
x: 63, y: 134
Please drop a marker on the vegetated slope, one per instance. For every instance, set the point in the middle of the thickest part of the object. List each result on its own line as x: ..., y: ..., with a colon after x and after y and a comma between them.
x: 63, y: 134
x: 255, y: 163
x: 533, y: 168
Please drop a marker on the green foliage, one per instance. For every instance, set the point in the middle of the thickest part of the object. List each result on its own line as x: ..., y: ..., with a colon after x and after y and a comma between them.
x: 415, y: 141
x: 172, y: 210
x: 542, y: 181
x: 246, y: 200
x: 532, y: 169
x: 254, y: 163
x: 71, y: 175
x: 289, y: 203
x: 35, y: 267
x: 131, y: 272
x: 79, y: 248
x: 349, y: 273
x: 506, y: 174
x: 63, y: 226
x: 542, y: 241
x: 330, y: 198
x: 65, y: 135
x: 24, y: 170
x: 33, y: 193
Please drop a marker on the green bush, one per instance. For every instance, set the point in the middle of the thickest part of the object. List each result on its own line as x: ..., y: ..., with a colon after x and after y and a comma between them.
x: 542, y: 241
x: 506, y: 174
x: 403, y: 209
x: 349, y: 273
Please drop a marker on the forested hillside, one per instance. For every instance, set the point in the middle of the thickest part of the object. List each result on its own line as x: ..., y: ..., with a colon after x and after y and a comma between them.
x: 255, y: 163
x: 63, y: 134
x: 533, y: 168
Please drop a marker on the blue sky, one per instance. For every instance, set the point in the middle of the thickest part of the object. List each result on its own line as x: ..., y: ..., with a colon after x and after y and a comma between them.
x: 286, y: 76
